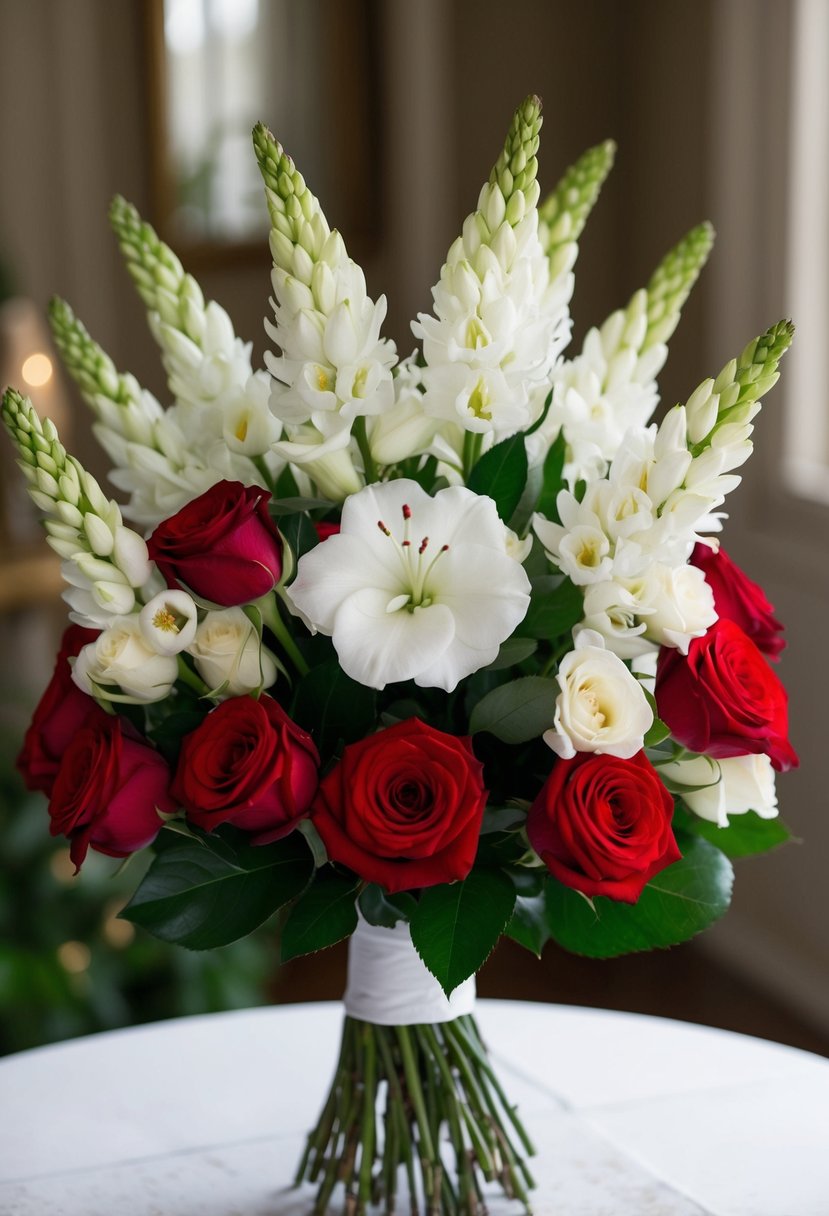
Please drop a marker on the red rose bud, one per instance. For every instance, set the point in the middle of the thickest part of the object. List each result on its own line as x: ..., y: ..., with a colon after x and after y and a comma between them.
x: 62, y: 711
x: 223, y: 546
x: 722, y: 698
x: 247, y: 764
x: 403, y: 808
x: 602, y: 825
x: 108, y: 791
x: 739, y: 599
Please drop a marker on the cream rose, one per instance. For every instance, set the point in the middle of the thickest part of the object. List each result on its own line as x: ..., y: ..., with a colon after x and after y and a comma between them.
x: 121, y: 659
x: 719, y: 788
x: 601, y: 706
x: 228, y: 654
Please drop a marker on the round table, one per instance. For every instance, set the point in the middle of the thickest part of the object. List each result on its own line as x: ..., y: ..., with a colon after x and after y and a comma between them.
x: 632, y: 1116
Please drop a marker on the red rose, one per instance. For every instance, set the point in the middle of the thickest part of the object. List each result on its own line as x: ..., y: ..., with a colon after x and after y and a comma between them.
x: 722, y: 698
x: 223, y: 545
x: 324, y: 530
x: 602, y: 825
x: 60, y: 713
x: 739, y: 599
x: 107, y: 790
x: 247, y: 764
x: 403, y: 807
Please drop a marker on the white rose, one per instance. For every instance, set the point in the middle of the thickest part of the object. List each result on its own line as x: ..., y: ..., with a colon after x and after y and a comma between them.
x: 121, y: 657
x: 228, y: 654
x: 168, y: 622
x: 601, y: 706
x: 677, y: 605
x: 720, y: 788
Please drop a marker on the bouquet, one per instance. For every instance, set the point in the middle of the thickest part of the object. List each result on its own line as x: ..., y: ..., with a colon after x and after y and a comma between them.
x: 423, y: 650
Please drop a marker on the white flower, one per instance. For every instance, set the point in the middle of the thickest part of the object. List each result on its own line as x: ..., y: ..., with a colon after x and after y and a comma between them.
x: 120, y: 657
x: 720, y: 788
x: 168, y: 622
x: 413, y: 587
x: 228, y: 654
x: 601, y: 706
x: 678, y: 603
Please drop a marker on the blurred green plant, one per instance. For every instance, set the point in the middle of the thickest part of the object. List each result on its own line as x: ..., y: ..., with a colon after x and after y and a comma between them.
x: 69, y: 967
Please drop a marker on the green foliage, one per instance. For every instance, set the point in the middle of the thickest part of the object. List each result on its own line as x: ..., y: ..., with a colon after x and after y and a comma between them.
x: 678, y: 903
x: 502, y: 474
x: 456, y: 925
x: 325, y: 914
x: 555, y: 607
x: 201, y: 894
x: 333, y: 708
x: 552, y: 479
x: 528, y: 925
x: 518, y: 711
x: 380, y: 908
x: 745, y: 835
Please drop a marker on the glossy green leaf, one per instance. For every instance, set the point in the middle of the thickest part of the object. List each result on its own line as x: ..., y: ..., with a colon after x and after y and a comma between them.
x: 456, y: 925
x: 325, y: 914
x: 745, y: 835
x: 201, y: 898
x: 518, y: 711
x: 294, y: 504
x: 555, y: 607
x: 502, y: 474
x: 299, y: 532
x: 513, y: 651
x: 678, y: 903
x: 333, y: 707
x: 657, y: 731
x: 528, y: 925
x: 552, y: 479
x: 380, y: 908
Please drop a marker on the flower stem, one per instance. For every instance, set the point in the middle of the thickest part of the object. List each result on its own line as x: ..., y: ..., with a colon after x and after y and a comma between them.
x: 369, y: 466
x: 472, y: 443
x: 189, y: 677
x: 273, y: 619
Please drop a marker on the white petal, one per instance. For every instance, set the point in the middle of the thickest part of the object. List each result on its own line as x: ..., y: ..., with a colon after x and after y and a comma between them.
x: 335, y: 570
x: 376, y: 647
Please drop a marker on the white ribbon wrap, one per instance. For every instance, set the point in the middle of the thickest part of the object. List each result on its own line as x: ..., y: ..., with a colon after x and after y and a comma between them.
x: 389, y: 985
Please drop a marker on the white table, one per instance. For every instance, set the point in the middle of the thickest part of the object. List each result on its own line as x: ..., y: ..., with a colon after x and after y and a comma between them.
x: 205, y: 1116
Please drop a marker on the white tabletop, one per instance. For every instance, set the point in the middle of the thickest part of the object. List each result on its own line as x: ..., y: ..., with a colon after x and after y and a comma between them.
x: 632, y: 1116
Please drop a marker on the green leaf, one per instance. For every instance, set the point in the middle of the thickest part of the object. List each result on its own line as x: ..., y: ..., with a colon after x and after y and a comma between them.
x: 456, y: 925
x: 299, y: 532
x: 333, y: 707
x: 168, y: 735
x: 380, y: 908
x: 518, y: 711
x: 680, y: 901
x: 528, y: 925
x: 556, y: 605
x: 286, y: 486
x: 512, y: 652
x: 502, y: 474
x: 552, y: 479
x: 657, y: 731
x: 293, y: 505
x: 325, y: 914
x: 502, y: 819
x: 745, y: 835
x: 199, y: 898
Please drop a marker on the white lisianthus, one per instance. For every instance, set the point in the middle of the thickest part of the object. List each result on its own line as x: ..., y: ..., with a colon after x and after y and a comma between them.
x: 413, y: 587
x: 168, y: 622
x: 601, y: 707
x: 228, y: 654
x: 121, y: 659
x: 719, y: 788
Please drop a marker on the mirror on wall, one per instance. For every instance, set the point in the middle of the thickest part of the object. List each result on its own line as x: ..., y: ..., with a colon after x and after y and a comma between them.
x: 305, y: 67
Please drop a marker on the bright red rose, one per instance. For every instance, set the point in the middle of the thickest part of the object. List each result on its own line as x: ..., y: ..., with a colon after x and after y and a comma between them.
x: 223, y: 545
x: 722, y: 698
x: 247, y: 764
x: 739, y: 599
x: 602, y: 825
x: 108, y: 790
x: 61, y: 712
x: 324, y: 530
x: 403, y: 808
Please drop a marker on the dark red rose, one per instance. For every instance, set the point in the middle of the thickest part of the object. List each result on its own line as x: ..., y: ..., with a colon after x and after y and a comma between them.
x: 602, y: 825
x: 108, y: 791
x: 739, y: 599
x: 61, y: 712
x: 247, y: 764
x: 223, y: 545
x: 324, y: 530
x: 403, y: 807
x: 722, y: 698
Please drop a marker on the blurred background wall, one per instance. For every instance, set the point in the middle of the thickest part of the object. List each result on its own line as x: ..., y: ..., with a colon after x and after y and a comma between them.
x: 401, y: 109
